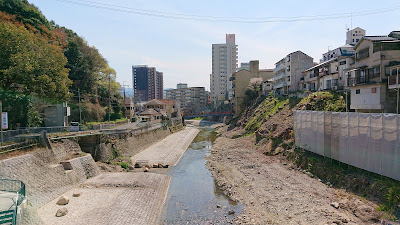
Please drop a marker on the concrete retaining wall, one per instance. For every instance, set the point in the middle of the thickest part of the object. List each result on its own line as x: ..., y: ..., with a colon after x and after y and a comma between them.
x: 45, y: 178
x: 128, y: 144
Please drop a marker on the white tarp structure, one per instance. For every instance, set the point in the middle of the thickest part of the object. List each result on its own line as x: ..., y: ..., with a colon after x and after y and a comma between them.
x: 369, y: 141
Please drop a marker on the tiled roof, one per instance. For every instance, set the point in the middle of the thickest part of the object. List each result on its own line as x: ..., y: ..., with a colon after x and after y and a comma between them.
x: 150, y: 112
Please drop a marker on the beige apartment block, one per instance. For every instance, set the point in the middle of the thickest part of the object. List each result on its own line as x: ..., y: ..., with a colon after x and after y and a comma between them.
x: 241, y: 79
x: 194, y: 98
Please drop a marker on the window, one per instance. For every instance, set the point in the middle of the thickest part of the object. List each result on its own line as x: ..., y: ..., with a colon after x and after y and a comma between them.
x: 357, y: 91
x: 342, y: 63
x: 357, y: 40
x: 362, y: 54
x: 373, y: 90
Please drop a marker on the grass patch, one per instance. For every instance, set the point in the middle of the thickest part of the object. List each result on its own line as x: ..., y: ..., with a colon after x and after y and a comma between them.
x: 105, y: 122
x: 266, y: 109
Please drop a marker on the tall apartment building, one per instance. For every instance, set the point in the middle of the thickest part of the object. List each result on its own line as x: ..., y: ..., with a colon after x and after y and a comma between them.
x: 289, y: 71
x: 354, y: 36
x: 147, y: 83
x: 194, y: 98
x: 224, y: 63
x: 159, y: 85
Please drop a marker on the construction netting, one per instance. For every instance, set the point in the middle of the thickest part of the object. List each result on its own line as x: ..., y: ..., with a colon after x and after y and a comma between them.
x: 369, y: 141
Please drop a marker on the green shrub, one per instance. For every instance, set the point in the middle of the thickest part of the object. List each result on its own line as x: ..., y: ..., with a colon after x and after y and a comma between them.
x: 124, y: 165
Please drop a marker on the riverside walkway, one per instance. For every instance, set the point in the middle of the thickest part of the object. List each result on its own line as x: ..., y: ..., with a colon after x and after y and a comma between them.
x: 169, y: 150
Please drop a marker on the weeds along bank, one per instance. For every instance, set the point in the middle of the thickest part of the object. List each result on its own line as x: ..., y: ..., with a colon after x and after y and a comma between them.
x: 269, y: 121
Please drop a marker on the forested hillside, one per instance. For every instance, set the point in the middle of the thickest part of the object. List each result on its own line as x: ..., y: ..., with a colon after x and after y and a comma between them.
x: 42, y: 63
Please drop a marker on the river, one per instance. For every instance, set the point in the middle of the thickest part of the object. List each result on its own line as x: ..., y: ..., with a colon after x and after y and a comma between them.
x: 193, y: 196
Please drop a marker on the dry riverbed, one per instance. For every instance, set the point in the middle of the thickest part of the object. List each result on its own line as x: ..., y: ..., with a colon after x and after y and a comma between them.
x: 274, y: 192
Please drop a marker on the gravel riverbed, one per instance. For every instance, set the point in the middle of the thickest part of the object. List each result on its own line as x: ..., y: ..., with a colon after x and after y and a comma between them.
x: 275, y: 192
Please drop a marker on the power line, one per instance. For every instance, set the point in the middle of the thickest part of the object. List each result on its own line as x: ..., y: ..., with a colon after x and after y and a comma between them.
x: 182, y: 16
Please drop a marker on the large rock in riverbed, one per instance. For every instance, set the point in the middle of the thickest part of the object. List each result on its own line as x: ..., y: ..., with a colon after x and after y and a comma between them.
x: 62, y: 212
x: 63, y: 200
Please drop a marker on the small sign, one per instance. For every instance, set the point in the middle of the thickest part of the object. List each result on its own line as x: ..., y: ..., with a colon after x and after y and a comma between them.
x: 4, y: 120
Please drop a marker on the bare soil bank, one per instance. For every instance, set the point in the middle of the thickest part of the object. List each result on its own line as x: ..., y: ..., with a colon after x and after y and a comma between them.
x: 274, y: 192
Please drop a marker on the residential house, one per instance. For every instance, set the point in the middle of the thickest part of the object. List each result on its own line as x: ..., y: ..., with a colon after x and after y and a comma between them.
x: 375, y: 56
x: 323, y: 76
x: 394, y: 83
x: 289, y: 71
x: 167, y: 108
x: 267, y: 86
x: 240, y: 82
x: 150, y: 115
x: 129, y: 108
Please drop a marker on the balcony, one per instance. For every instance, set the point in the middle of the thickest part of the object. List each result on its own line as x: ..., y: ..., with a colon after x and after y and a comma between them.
x: 280, y: 67
x: 394, y: 81
x: 280, y: 75
x: 280, y: 84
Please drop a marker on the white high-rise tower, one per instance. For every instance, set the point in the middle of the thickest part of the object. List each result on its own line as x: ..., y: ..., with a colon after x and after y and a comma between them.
x: 224, y: 63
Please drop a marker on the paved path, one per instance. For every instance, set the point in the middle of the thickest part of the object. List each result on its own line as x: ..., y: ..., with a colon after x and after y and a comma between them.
x: 169, y: 150
x: 113, y: 198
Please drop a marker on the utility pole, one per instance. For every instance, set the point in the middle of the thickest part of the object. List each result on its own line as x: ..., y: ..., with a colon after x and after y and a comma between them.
x: 109, y: 97
x: 80, y: 109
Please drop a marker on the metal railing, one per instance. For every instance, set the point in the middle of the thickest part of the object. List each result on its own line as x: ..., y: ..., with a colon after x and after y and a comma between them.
x: 30, y: 133
x: 12, y: 194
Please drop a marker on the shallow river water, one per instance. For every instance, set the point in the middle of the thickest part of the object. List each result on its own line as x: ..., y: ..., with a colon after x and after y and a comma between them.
x: 194, y: 196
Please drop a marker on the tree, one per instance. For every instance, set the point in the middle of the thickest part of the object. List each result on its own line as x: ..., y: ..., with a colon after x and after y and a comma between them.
x: 30, y: 65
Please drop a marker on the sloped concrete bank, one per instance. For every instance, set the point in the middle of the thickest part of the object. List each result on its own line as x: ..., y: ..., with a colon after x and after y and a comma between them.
x: 51, y: 172
x: 45, y: 178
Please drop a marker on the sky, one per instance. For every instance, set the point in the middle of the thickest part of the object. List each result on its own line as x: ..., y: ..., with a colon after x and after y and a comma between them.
x: 182, y: 48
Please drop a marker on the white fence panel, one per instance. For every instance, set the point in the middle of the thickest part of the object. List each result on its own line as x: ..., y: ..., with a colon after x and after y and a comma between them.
x: 367, y: 141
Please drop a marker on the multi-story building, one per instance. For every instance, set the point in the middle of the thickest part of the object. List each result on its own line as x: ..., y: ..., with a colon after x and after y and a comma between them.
x: 159, y: 85
x: 330, y: 73
x: 354, y: 36
x: 289, y: 71
x: 181, y: 85
x: 244, y: 66
x: 224, y: 63
x: 191, y: 98
x: 147, y: 83
x: 375, y: 56
x: 240, y: 81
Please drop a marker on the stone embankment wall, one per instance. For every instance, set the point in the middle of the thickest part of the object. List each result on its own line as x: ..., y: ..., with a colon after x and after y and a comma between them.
x: 106, y: 147
x: 45, y: 178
